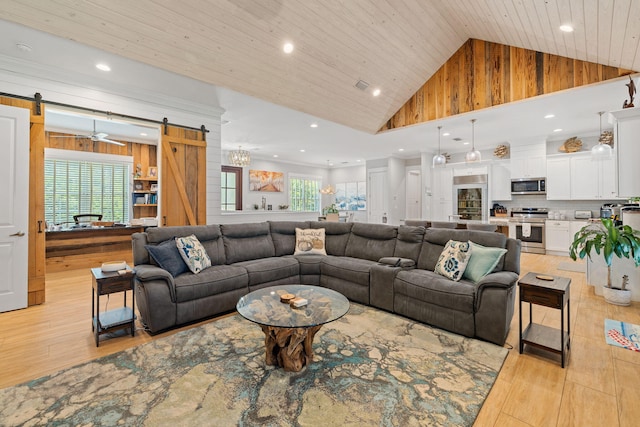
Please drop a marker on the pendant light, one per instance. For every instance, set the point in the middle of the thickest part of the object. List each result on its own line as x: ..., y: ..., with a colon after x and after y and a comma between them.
x: 601, y: 151
x: 473, y: 155
x: 439, y: 159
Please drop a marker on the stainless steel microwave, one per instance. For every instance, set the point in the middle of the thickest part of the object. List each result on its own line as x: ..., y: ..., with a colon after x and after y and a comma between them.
x: 529, y: 186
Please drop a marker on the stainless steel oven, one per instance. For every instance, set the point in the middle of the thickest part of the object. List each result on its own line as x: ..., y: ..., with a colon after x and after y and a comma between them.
x: 528, y: 226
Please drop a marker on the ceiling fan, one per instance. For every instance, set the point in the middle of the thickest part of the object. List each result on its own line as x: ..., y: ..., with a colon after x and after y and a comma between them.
x: 95, y: 136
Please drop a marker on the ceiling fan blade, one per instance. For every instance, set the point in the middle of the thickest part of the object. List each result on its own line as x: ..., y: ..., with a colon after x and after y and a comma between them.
x: 109, y: 141
x: 100, y: 135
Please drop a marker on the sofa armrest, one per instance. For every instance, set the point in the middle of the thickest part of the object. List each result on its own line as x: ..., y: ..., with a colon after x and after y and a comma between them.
x: 148, y: 272
x: 499, y: 280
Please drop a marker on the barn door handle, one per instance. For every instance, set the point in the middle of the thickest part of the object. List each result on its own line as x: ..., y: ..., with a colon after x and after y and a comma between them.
x: 18, y: 234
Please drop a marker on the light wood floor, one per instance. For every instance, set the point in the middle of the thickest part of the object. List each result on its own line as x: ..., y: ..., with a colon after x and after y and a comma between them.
x: 599, y: 387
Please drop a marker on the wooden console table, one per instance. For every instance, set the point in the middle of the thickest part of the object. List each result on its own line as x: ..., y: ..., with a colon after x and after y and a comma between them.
x: 548, y: 293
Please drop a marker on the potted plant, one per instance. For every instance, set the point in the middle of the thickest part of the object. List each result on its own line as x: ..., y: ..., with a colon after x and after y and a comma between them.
x: 330, y: 209
x: 607, y: 239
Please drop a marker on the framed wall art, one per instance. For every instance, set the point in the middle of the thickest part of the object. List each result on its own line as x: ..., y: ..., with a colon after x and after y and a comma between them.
x: 266, y: 181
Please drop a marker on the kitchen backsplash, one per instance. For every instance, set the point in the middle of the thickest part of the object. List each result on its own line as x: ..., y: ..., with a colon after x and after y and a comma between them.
x: 564, y: 206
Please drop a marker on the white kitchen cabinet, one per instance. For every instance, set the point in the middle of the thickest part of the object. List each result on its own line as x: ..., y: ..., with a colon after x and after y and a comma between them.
x: 442, y: 194
x: 500, y: 181
x: 469, y: 170
x: 626, y: 131
x: 575, y: 226
x: 593, y: 179
x: 531, y: 167
x: 557, y: 237
x: 558, y: 178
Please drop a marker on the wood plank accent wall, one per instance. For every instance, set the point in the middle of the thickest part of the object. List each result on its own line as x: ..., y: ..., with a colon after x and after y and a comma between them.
x: 183, y: 177
x: 482, y: 74
x: 36, y: 264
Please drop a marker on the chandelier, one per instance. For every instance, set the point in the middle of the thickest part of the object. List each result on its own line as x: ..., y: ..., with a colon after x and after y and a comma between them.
x: 328, y: 190
x: 240, y: 157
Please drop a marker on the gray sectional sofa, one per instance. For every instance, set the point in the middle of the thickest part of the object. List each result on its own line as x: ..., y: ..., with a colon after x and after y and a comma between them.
x: 246, y: 257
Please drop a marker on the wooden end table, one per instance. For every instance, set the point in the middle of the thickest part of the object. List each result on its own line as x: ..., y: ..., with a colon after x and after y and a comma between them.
x: 105, y: 283
x: 548, y: 293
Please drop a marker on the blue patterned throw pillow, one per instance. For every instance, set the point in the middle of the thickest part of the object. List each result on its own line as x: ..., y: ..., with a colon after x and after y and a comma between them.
x: 193, y: 253
x: 453, y: 260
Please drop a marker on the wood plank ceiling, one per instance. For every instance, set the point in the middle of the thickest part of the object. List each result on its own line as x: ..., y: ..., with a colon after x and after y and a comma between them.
x: 395, y: 46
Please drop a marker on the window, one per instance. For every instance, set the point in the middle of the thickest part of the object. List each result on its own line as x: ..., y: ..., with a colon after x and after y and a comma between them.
x: 304, y: 193
x: 78, y: 182
x: 231, y: 188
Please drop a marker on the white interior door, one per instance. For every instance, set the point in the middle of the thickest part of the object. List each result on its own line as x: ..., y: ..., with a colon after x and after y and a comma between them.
x: 414, y: 199
x: 14, y: 209
x: 378, y: 196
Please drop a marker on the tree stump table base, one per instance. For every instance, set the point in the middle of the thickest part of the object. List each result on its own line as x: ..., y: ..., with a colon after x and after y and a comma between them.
x: 290, y: 348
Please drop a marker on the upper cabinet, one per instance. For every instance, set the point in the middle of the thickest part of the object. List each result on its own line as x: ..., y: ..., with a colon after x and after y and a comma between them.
x: 559, y: 178
x: 627, y: 131
x: 500, y: 180
x: 592, y: 179
x: 529, y: 161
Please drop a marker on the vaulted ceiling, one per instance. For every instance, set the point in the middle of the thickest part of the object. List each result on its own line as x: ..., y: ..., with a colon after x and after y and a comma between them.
x: 395, y: 46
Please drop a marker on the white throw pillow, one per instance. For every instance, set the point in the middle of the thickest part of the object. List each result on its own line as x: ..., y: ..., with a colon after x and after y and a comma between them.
x: 453, y: 260
x: 193, y: 253
x: 310, y: 241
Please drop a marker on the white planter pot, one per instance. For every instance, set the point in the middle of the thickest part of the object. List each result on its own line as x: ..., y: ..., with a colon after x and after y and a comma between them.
x: 617, y: 296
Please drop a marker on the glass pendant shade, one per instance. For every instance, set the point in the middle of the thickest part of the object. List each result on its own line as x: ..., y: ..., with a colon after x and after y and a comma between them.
x: 240, y: 157
x: 473, y: 155
x: 601, y: 151
x: 439, y: 159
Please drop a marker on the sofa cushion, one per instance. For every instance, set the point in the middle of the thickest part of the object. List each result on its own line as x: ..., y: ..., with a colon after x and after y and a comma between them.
x: 409, y: 242
x: 210, y: 281
x: 336, y: 235
x: 353, y: 270
x: 268, y: 270
x: 371, y: 241
x: 243, y: 242
x: 310, y: 241
x: 193, y: 253
x: 209, y: 235
x: 436, y: 238
x: 167, y: 256
x: 283, y: 234
x: 482, y: 261
x: 453, y: 260
x: 427, y: 286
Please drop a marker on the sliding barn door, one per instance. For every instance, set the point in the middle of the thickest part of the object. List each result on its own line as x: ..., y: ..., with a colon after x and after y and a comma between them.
x: 35, y: 234
x: 183, y: 177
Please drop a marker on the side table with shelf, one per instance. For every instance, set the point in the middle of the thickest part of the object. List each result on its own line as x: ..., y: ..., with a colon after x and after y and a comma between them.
x: 105, y: 283
x: 548, y: 293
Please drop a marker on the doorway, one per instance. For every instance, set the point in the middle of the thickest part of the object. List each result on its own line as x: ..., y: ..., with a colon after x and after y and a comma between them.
x: 413, y: 194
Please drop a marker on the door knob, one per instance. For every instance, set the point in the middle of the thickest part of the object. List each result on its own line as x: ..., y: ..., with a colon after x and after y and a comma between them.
x: 18, y: 234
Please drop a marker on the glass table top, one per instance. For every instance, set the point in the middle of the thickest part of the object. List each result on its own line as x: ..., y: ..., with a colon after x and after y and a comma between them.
x: 264, y: 307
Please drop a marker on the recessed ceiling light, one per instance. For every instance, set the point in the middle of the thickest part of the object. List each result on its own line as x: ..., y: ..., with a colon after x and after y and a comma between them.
x: 376, y: 92
x: 465, y: 143
x: 330, y: 164
x: 400, y: 149
x: 143, y: 134
x: 275, y: 155
x: 549, y: 116
x: 288, y: 47
x: 446, y: 134
x: 566, y: 28
x: 314, y: 125
x: 302, y: 150
x: 358, y: 160
x: 557, y: 130
x: 103, y: 67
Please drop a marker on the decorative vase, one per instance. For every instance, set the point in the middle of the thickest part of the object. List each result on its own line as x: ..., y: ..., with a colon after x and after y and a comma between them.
x: 616, y: 296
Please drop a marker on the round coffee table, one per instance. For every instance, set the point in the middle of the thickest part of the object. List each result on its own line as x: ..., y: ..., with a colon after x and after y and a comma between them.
x: 289, y: 331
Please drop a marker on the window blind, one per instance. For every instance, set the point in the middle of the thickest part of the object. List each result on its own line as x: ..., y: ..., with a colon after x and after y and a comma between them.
x: 304, y: 193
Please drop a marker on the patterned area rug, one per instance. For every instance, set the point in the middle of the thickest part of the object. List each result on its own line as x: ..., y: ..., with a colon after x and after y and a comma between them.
x: 370, y: 368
